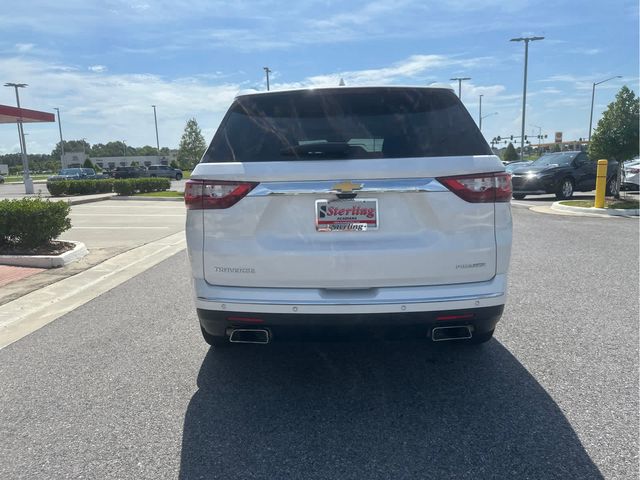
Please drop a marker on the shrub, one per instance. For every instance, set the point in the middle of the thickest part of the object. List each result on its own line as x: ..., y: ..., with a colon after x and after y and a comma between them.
x: 31, y: 222
x: 79, y: 187
x: 125, y: 186
x: 58, y: 187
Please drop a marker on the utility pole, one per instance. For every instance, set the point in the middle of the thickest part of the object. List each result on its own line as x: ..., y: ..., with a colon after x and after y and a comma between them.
x: 61, y: 141
x: 480, y: 113
x: 267, y: 71
x: 155, y: 118
x: 526, y: 41
x: 460, y: 79
x: 28, y: 183
x: 593, y: 95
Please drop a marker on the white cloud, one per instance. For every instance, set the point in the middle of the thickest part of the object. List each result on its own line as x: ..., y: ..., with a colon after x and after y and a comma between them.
x: 415, y: 67
x: 98, y: 68
x: 107, y: 107
x: 24, y: 47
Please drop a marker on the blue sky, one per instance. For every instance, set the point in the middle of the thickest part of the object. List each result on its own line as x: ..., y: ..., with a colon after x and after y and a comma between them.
x: 104, y: 63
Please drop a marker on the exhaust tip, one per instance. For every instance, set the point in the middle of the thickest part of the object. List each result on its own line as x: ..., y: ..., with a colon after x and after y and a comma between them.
x: 250, y: 335
x: 442, y: 334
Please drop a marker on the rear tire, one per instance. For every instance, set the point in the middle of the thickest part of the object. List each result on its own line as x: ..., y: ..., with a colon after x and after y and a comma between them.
x: 613, y: 187
x: 519, y: 196
x: 481, y: 338
x: 214, y: 340
x: 178, y: 176
x: 565, y: 189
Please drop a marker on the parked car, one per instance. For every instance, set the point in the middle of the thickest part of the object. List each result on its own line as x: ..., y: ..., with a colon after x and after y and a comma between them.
x: 562, y: 173
x: 164, y: 171
x: 510, y: 167
x: 76, y: 174
x: 130, y: 172
x: 351, y: 209
x: 1, y: 179
x: 631, y: 174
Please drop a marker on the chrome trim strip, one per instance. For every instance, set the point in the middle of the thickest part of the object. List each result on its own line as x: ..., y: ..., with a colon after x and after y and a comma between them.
x: 396, y: 185
x: 457, y: 298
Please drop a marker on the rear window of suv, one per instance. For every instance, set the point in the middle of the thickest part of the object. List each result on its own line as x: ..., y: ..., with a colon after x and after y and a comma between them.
x: 346, y: 124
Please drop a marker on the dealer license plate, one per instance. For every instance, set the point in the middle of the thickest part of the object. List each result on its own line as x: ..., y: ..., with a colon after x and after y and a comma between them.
x: 357, y: 215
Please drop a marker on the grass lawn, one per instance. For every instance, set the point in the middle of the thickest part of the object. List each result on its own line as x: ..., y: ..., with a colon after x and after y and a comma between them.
x: 621, y: 203
x: 167, y: 194
x: 18, y: 178
x: 186, y: 174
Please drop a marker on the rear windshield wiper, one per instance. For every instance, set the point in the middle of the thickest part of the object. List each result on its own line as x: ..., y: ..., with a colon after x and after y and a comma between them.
x: 318, y: 149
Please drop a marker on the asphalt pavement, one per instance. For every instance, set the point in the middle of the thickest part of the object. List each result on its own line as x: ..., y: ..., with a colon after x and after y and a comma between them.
x: 124, y: 387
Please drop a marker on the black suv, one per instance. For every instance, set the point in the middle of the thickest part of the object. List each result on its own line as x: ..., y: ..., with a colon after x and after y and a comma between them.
x: 130, y: 172
x: 165, y: 171
x: 562, y: 173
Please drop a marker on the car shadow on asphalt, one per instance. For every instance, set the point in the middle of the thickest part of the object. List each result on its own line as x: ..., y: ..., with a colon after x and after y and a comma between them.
x: 375, y: 410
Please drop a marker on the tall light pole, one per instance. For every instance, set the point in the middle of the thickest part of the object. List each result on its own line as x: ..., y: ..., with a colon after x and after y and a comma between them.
x: 124, y: 149
x: 593, y: 94
x: 539, y: 135
x: 460, y: 79
x: 267, y: 71
x: 480, y: 112
x: 526, y: 41
x: 61, y: 141
x: 485, y: 116
x: 155, y: 118
x: 28, y: 183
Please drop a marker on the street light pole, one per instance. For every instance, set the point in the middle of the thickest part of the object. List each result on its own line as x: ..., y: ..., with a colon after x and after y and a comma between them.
x: 480, y: 113
x: 28, y: 183
x: 526, y: 41
x: 155, y: 118
x: 460, y: 79
x: 61, y: 141
x: 593, y: 94
x: 267, y: 71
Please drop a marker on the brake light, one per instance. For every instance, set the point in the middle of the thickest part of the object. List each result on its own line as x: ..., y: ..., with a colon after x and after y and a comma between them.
x: 480, y: 188
x: 214, y: 194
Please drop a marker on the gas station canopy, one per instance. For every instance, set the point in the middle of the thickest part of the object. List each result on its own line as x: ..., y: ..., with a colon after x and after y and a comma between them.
x: 13, y: 114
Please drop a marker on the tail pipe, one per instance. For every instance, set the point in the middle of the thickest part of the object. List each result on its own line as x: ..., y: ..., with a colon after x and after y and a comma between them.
x: 442, y: 334
x: 250, y: 335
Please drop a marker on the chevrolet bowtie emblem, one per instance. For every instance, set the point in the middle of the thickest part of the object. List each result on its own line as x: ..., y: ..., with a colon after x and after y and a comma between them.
x: 347, y: 187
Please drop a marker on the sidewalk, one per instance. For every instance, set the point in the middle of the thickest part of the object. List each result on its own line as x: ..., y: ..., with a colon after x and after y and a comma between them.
x: 108, y: 229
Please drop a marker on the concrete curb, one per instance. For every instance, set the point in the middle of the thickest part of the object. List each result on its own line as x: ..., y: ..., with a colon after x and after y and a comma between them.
x: 599, y: 212
x: 152, y: 199
x: 33, y: 311
x: 46, y: 261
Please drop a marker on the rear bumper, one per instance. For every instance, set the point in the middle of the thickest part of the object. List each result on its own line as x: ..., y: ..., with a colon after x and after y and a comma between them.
x: 534, y: 185
x: 396, y: 325
x: 310, y: 301
x: 412, y: 311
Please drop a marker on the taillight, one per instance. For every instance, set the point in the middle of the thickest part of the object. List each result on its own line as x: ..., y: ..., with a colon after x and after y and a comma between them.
x: 480, y: 188
x: 214, y: 194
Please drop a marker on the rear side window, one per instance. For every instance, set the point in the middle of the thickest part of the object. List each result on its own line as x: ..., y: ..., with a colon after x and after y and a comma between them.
x: 346, y: 124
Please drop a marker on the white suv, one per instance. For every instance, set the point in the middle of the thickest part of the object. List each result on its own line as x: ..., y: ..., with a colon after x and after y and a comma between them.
x: 348, y: 210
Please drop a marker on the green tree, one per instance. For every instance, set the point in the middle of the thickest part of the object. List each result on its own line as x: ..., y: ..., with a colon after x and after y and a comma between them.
x: 557, y: 147
x: 71, y: 146
x: 510, y: 154
x: 192, y: 145
x: 616, y: 136
x: 87, y: 163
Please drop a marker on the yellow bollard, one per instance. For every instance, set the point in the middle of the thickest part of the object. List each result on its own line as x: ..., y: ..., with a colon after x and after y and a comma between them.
x: 601, y: 183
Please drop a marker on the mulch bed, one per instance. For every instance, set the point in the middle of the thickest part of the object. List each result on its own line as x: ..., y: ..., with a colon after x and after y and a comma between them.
x: 52, y: 248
